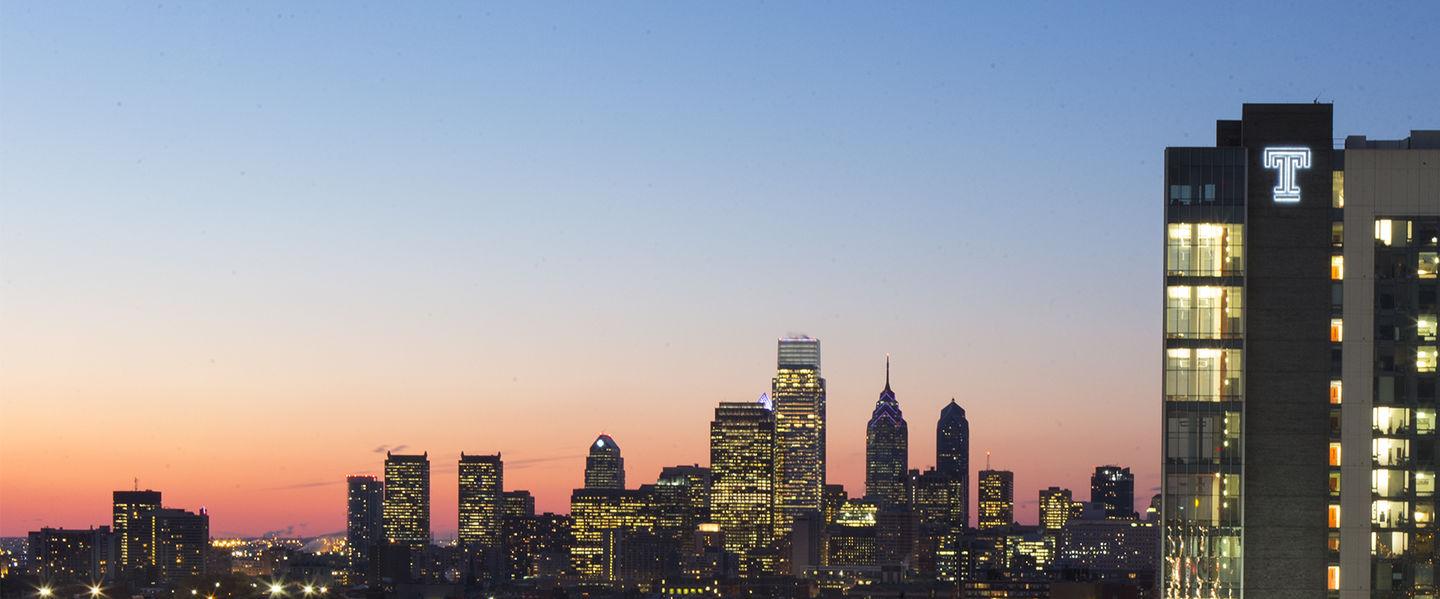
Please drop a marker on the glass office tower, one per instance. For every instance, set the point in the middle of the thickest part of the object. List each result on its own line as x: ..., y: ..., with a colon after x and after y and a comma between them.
x: 742, y: 462
x: 798, y: 394
x: 407, y: 499
x: 481, y: 503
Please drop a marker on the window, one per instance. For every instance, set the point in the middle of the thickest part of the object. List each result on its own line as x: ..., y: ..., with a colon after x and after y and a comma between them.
x: 1424, y: 483
x: 1334, y: 516
x: 1337, y: 189
x: 1335, y: 392
x: 1203, y: 249
x: 1429, y: 265
x: 1332, y: 578
x: 1385, y: 231
x: 1391, y: 421
x: 1337, y: 330
x: 1426, y: 358
x: 1203, y: 312
x: 1202, y: 374
x: 1425, y: 420
x: 1335, y: 484
x: 1425, y: 327
x: 1334, y: 454
x: 1337, y: 234
x: 1337, y: 268
x: 1390, y: 452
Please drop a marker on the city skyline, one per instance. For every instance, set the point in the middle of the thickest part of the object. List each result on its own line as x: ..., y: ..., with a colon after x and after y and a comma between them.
x: 268, y: 251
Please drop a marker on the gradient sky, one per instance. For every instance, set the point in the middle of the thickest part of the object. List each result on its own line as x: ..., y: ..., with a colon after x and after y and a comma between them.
x: 245, y: 247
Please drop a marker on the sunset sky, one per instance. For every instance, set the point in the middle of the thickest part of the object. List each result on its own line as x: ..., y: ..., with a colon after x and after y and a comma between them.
x: 245, y: 248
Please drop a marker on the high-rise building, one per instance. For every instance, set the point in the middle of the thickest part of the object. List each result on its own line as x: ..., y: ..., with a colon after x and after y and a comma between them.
x: 887, y: 448
x: 538, y: 545
x: 1313, y: 269
x: 952, y: 455
x: 407, y: 499
x: 742, y: 462
x: 681, y: 498
x: 595, y: 513
x: 933, y: 497
x: 997, y: 498
x: 517, y: 504
x: 86, y: 556
x: 1056, y: 506
x: 798, y: 395
x: 481, y: 505
x: 364, y: 523
x: 604, y: 468
x: 131, y: 523
x: 1114, y: 488
x: 181, y: 540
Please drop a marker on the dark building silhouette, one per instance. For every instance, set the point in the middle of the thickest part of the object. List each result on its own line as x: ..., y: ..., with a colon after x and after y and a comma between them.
x: 952, y: 455
x: 1114, y: 488
x: 181, y: 543
x: 517, y: 504
x: 364, y: 523
x: 86, y: 556
x: 604, y: 467
x: 131, y: 524
x: 887, y: 449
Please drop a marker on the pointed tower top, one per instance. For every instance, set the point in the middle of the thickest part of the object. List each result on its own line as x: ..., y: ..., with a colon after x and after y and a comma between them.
x: 887, y: 370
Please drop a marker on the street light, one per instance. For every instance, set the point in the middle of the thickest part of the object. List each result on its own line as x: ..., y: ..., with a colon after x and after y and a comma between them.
x: 94, y: 590
x: 46, y: 591
x: 276, y: 588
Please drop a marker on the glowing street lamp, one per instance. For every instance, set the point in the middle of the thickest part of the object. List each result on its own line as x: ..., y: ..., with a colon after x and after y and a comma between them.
x: 46, y: 592
x: 95, y: 590
x: 309, y: 590
x: 276, y: 588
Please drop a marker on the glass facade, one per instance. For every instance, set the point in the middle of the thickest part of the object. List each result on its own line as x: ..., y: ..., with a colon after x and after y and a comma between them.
x: 798, y: 395
x: 481, y: 500
x: 407, y: 499
x: 1403, y: 445
x: 1203, y: 357
x: 742, y: 457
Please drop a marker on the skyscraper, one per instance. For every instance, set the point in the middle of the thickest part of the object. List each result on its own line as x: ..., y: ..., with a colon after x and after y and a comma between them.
x: 1114, y: 488
x: 952, y: 455
x: 407, y: 499
x: 482, y: 484
x: 742, y: 461
x: 604, y: 468
x: 1248, y: 306
x: 517, y: 504
x: 681, y: 499
x: 596, y: 514
x: 887, y: 441
x: 997, y: 498
x: 798, y: 395
x: 131, y: 523
x: 181, y: 540
x: 364, y: 523
x: 1056, y: 505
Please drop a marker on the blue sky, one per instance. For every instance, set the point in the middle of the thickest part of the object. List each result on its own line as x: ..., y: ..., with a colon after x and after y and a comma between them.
x: 500, y: 211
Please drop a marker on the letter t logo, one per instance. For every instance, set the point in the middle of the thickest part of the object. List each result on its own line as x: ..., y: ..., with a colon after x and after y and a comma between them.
x: 1287, y: 161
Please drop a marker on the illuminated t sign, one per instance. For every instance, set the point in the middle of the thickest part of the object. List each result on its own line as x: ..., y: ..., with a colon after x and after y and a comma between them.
x: 1287, y: 160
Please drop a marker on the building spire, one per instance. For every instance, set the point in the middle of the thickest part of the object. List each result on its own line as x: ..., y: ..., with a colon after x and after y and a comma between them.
x: 887, y: 370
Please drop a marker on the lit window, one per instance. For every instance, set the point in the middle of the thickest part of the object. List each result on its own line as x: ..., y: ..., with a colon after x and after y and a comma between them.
x: 1332, y: 578
x: 1426, y: 359
x: 1334, y: 454
x: 1337, y: 189
x: 1335, y: 392
x: 1334, y: 516
x: 1429, y: 265
x: 1384, y: 231
x: 1425, y: 327
x: 1337, y: 330
x: 1424, y: 483
x: 1425, y: 420
x: 1337, y: 268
